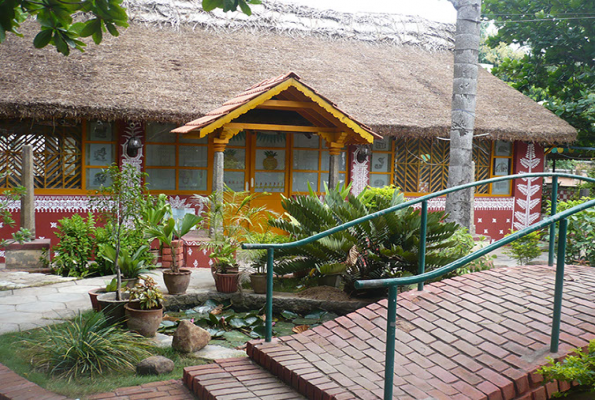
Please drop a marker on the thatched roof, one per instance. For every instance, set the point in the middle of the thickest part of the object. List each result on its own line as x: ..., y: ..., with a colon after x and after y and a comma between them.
x: 399, y: 84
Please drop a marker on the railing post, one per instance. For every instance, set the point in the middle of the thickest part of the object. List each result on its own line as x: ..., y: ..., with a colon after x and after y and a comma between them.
x: 559, y: 286
x: 421, y: 267
x: 391, y: 335
x: 269, y: 301
x: 550, y: 257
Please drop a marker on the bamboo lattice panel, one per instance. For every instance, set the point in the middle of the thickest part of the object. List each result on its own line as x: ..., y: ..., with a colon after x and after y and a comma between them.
x: 57, y: 154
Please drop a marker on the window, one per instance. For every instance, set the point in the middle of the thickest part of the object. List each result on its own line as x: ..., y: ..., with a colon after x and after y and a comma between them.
x: 234, y: 163
x: 57, y: 153
x: 502, y: 166
x: 174, y: 163
x: 421, y: 165
x: 100, y: 152
x: 310, y: 164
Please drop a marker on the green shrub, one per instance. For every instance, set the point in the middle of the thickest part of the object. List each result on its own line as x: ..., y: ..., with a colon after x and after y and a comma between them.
x: 525, y: 248
x: 86, y: 346
x: 579, y: 368
x: 76, y: 246
x: 386, y: 246
x: 580, y: 244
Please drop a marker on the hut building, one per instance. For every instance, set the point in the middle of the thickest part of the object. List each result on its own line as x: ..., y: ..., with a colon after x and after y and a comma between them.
x: 358, y: 81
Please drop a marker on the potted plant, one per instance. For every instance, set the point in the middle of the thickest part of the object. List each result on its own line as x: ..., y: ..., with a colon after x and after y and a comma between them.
x: 258, y: 279
x: 144, y: 315
x: 231, y: 220
x: 131, y: 266
x: 225, y: 267
x: 170, y: 233
x: 94, y: 293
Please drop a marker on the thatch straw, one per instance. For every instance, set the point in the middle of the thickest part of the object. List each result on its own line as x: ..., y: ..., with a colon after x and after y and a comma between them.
x: 181, y: 74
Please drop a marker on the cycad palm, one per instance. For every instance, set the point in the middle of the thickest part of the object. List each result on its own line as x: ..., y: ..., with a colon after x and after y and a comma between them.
x: 385, y: 246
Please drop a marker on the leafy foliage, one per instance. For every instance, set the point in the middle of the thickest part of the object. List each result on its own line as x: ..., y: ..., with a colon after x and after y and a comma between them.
x: 579, y: 368
x: 559, y: 68
x: 147, y: 292
x: 86, y: 347
x: 8, y: 196
x: 386, y: 246
x: 161, y: 225
x: 526, y: 248
x: 103, y: 16
x: 580, y: 244
x: 232, y: 220
x: 120, y: 206
x: 76, y: 246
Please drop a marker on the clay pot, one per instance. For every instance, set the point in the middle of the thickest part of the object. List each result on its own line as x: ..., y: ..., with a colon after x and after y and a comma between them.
x: 258, y: 281
x: 144, y: 322
x: 113, y: 309
x: 226, y: 283
x: 177, y: 282
x: 93, y: 293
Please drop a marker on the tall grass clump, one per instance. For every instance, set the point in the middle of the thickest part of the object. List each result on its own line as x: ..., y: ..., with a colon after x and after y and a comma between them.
x: 85, y: 347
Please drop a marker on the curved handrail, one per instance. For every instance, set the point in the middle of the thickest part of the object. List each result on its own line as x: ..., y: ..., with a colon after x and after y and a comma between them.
x: 393, y: 283
x: 406, y: 204
x: 409, y: 280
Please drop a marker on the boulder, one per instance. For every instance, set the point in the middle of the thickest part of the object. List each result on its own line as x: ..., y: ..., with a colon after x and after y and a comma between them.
x: 156, y: 365
x: 189, y: 338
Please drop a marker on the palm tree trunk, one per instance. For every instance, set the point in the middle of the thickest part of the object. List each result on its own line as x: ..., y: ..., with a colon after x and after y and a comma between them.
x: 459, y: 205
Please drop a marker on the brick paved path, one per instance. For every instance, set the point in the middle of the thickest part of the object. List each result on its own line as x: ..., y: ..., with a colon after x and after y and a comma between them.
x: 478, y: 336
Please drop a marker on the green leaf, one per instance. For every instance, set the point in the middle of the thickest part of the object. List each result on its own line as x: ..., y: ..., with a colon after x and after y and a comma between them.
x: 112, y: 29
x: 237, y: 323
x: 210, y: 5
x: 61, y: 45
x: 289, y: 315
x: 259, y: 330
x: 245, y: 8
x: 91, y: 27
x: 43, y: 38
x: 97, y: 36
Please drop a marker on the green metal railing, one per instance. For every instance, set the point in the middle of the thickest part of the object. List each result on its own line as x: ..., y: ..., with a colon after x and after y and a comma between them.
x: 393, y: 283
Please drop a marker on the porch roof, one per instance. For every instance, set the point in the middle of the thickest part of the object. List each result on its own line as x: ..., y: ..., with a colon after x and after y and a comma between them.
x: 306, y: 111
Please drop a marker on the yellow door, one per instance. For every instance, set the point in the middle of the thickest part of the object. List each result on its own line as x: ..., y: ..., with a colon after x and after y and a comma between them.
x: 269, y: 168
x: 259, y: 162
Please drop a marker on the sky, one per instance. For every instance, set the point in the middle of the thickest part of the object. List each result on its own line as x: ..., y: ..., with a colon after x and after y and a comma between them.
x: 435, y: 10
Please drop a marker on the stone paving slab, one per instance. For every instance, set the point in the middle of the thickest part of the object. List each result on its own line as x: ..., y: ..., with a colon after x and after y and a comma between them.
x: 477, y: 336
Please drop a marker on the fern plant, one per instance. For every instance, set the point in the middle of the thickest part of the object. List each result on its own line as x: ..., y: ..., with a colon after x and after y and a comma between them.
x: 386, y: 246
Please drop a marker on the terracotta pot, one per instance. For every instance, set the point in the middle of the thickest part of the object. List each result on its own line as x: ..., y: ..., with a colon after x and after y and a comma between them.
x: 177, y: 282
x: 258, y: 281
x: 144, y: 322
x: 113, y: 309
x: 93, y: 293
x: 226, y: 283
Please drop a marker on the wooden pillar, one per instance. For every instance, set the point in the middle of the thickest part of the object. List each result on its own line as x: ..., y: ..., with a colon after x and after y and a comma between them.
x: 28, y: 199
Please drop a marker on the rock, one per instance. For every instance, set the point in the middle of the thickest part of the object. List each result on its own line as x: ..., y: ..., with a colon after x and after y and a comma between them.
x: 156, y: 365
x: 189, y: 338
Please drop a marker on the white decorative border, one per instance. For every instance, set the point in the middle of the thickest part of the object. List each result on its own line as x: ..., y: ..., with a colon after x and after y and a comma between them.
x: 480, y: 203
x: 524, y: 217
x: 81, y: 204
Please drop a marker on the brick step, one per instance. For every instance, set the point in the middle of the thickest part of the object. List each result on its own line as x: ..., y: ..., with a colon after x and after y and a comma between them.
x: 15, y: 387
x: 236, y: 379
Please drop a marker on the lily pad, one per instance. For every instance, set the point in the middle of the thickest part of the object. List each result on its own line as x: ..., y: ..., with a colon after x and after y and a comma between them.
x: 289, y: 315
x: 237, y: 323
x: 284, y: 328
